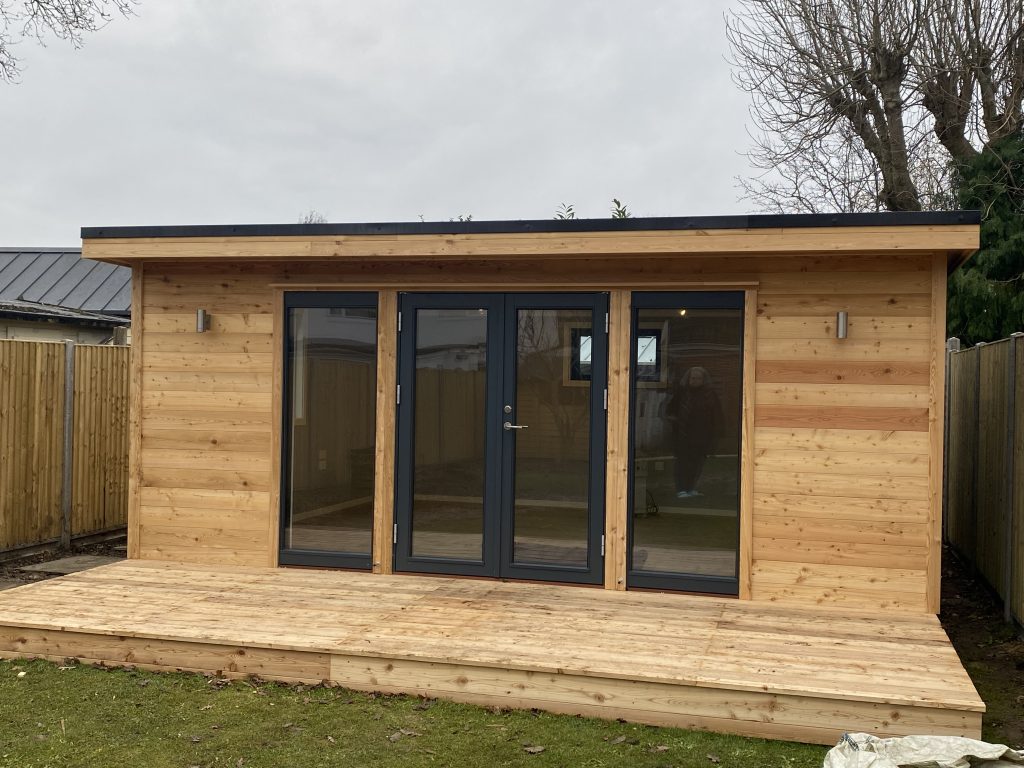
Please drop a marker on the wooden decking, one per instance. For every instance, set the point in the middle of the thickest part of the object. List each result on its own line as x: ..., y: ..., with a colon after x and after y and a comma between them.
x: 695, y: 662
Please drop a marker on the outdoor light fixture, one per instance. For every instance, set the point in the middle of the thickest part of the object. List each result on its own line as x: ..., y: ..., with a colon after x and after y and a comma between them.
x: 842, y: 321
x: 682, y: 313
x: 202, y: 321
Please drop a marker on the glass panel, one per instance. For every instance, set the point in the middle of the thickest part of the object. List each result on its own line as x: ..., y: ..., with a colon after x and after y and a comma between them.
x: 686, y: 437
x: 552, y: 456
x: 450, y: 423
x: 332, y: 366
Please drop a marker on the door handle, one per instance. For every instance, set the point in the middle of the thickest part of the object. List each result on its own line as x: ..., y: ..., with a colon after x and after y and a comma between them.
x: 509, y: 425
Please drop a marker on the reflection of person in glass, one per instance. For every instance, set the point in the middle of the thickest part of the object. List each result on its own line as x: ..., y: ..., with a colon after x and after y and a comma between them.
x: 695, y: 414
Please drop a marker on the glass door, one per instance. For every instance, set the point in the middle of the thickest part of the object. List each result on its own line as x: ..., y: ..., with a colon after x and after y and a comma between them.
x: 500, y: 465
x: 685, y: 421
x: 448, y: 433
x: 553, y: 421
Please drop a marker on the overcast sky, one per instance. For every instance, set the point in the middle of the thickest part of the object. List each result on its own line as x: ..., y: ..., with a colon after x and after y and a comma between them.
x: 251, y: 111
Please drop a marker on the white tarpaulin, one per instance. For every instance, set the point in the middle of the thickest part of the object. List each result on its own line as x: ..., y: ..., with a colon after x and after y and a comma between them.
x: 861, y: 750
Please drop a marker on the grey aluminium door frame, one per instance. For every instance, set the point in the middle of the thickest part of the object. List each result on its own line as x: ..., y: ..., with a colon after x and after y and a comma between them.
x: 498, y: 499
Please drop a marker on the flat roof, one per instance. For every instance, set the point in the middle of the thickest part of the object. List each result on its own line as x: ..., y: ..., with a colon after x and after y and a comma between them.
x: 755, y: 221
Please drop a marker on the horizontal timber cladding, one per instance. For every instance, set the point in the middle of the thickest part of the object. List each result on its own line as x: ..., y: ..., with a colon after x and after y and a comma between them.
x: 843, y: 499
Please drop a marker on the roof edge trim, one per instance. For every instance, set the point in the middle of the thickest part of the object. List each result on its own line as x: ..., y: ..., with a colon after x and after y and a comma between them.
x: 758, y: 221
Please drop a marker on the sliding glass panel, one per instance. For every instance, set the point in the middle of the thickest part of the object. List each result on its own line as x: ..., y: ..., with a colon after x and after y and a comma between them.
x: 450, y: 430
x: 552, y: 450
x: 687, y: 395
x: 331, y: 372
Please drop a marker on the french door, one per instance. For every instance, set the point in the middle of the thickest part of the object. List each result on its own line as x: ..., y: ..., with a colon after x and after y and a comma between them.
x: 501, y: 435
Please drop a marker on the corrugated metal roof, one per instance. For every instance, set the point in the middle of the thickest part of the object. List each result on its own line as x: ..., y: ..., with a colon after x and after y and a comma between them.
x: 60, y: 277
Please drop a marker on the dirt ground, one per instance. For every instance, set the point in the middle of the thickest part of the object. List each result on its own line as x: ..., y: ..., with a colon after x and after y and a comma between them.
x: 991, y: 650
x: 10, y: 570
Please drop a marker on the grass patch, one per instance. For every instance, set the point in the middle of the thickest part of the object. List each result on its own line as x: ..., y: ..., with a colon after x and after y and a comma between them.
x: 83, y: 716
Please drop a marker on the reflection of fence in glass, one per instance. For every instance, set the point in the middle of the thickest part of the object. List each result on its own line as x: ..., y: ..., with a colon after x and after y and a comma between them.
x: 332, y: 408
x: 984, y: 493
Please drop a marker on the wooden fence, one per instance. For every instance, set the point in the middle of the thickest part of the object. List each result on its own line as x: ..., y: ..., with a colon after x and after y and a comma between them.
x: 43, y: 497
x: 984, y: 520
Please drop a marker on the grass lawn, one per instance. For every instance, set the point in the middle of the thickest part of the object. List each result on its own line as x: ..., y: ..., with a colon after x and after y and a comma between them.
x: 82, y: 716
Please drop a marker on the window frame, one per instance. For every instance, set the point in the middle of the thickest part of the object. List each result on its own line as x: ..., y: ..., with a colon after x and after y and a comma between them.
x: 727, y: 586
x: 317, y: 300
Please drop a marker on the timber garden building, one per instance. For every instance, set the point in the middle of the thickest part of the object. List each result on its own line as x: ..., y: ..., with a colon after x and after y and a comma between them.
x: 679, y: 471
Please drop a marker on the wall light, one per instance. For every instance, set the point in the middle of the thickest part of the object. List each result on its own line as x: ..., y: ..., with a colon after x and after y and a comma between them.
x: 842, y: 324
x: 202, y: 320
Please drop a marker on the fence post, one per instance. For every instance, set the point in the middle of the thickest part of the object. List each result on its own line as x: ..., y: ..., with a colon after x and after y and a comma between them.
x: 976, y: 475
x: 952, y: 345
x: 69, y: 420
x: 1011, y: 411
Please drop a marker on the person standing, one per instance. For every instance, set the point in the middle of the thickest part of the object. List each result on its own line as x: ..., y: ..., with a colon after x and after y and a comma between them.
x: 695, y: 413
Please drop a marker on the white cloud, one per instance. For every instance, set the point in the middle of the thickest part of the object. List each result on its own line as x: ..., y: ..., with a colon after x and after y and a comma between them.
x: 252, y: 111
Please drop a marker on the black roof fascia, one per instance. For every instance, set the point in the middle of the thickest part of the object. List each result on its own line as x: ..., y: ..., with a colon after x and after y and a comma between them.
x: 759, y: 221
x: 41, y: 317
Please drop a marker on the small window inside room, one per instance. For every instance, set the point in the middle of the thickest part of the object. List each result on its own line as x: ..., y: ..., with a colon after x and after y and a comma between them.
x: 581, y: 351
x: 329, y: 430
x: 686, y: 397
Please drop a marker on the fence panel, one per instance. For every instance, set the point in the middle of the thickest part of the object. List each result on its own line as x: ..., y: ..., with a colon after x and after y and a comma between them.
x: 100, y: 439
x: 990, y: 498
x: 32, y: 376
x: 985, y: 465
x: 1017, y: 554
x: 31, y: 413
x: 962, y: 446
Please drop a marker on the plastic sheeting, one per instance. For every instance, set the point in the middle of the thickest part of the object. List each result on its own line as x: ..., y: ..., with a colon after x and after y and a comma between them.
x: 861, y: 750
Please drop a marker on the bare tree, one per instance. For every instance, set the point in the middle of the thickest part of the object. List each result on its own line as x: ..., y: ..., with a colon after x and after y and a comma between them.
x: 313, y: 216
x: 64, y: 19
x: 851, y: 98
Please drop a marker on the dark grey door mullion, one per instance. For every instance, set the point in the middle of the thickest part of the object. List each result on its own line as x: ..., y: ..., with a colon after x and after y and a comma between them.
x: 495, y: 461
x: 507, y: 412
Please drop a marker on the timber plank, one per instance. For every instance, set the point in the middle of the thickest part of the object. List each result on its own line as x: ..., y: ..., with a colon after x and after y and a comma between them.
x: 839, y: 395
x: 866, y: 464
x: 875, y: 350
x: 870, y: 305
x: 842, y: 417
x: 778, y: 326
x: 240, y: 322
x: 829, y: 484
x: 856, y: 440
x: 817, y: 506
x: 882, y: 372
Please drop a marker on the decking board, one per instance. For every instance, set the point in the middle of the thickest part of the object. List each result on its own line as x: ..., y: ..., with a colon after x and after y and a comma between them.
x: 665, y: 659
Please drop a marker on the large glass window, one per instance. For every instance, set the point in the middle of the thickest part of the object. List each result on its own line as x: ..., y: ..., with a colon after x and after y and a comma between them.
x: 686, y: 415
x: 330, y: 423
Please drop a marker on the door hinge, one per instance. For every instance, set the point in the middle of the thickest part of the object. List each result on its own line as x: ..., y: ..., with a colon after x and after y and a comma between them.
x: 606, y: 398
x: 398, y: 394
x: 602, y: 545
x: 394, y: 534
x: 399, y: 322
x: 606, y: 322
